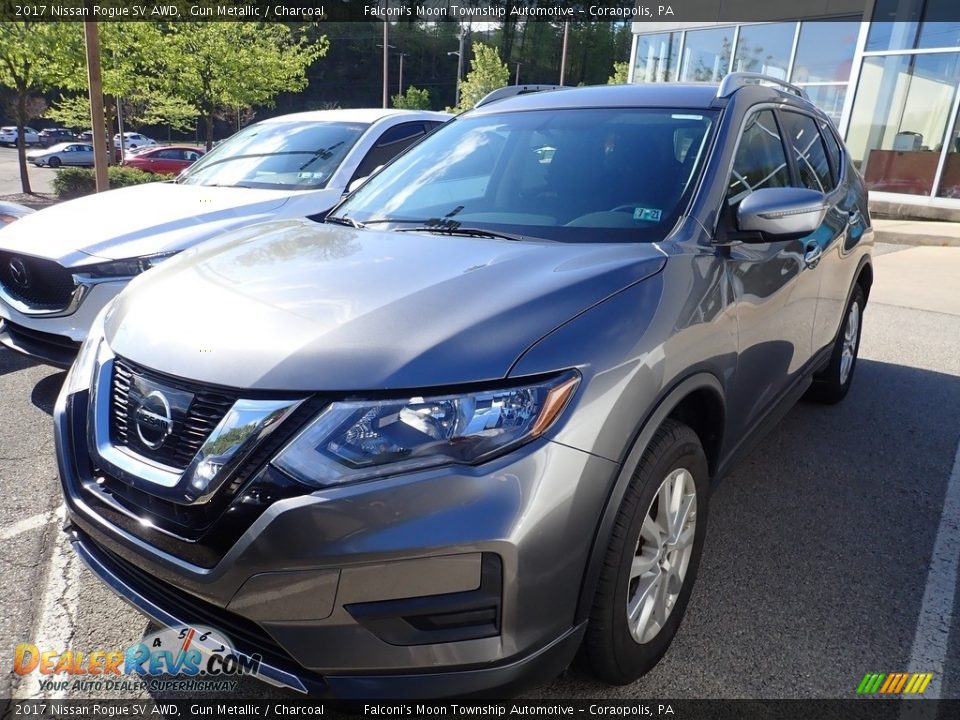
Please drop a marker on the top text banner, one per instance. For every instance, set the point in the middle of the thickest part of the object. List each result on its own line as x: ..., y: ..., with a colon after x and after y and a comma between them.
x: 665, y: 11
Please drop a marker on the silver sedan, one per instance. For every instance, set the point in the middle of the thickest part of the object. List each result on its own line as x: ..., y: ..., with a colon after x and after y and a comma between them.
x: 63, y: 154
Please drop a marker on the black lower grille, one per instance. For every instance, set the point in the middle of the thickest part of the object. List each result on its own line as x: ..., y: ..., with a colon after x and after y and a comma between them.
x: 40, y: 283
x: 247, y: 637
x: 200, y: 410
x: 58, y: 341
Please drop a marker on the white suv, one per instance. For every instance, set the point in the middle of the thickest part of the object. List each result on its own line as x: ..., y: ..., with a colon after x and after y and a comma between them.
x: 291, y: 166
x: 8, y: 135
x: 132, y: 140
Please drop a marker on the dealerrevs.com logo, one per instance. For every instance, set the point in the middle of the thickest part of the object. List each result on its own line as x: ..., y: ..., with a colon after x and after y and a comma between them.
x: 180, y: 658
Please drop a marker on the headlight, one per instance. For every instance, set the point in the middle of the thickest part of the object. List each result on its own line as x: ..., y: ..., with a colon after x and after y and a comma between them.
x: 81, y: 372
x: 352, y: 441
x: 123, y: 268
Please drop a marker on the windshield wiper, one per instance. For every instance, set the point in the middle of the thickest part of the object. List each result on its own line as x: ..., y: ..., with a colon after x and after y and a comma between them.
x: 463, y: 231
x: 339, y: 220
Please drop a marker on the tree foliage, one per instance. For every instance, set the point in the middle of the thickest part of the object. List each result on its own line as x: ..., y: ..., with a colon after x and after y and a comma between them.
x: 212, y: 65
x: 487, y: 73
x: 621, y: 72
x: 412, y: 99
x: 31, y: 60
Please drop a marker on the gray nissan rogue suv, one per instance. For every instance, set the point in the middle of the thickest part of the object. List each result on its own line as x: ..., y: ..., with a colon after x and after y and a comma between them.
x: 467, y: 425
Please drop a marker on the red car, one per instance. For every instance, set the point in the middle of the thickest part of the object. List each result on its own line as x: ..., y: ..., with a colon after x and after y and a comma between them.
x: 168, y: 160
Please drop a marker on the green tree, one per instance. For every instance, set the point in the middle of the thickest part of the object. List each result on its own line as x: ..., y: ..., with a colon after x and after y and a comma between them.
x: 133, y: 58
x: 216, y: 65
x: 487, y: 73
x: 412, y: 99
x: 31, y: 60
x: 621, y: 71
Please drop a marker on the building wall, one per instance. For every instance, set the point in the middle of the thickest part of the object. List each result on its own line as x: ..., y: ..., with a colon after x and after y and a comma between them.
x: 889, y: 75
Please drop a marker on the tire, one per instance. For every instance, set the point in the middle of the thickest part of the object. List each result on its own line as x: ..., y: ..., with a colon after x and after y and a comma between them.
x: 54, y: 162
x: 832, y: 384
x: 616, y: 653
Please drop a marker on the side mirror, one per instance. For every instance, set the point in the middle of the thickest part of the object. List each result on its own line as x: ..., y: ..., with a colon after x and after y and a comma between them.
x: 781, y: 213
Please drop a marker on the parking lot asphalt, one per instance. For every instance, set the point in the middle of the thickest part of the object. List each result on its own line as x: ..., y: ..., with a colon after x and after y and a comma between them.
x: 40, y: 178
x: 827, y: 555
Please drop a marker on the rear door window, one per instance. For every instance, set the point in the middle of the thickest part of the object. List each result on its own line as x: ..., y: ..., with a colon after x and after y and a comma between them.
x: 809, y: 151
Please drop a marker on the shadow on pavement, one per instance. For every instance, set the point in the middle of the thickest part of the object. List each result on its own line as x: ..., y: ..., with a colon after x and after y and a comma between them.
x: 44, y: 395
x: 11, y: 362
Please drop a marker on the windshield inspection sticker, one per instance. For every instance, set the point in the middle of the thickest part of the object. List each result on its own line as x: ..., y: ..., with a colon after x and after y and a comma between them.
x: 648, y: 214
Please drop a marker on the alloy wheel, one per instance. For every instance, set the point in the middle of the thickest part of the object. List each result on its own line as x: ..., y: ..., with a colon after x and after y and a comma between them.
x: 849, y: 350
x: 662, y: 555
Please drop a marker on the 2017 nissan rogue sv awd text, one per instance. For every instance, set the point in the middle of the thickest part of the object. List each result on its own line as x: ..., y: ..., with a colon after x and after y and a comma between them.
x: 468, y: 425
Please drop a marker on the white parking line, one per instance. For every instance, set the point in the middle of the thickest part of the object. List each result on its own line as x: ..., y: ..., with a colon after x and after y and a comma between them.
x: 929, y: 650
x: 22, y: 526
x: 58, y: 608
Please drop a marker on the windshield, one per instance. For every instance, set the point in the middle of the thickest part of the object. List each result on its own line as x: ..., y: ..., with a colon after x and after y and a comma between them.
x: 551, y: 174
x: 296, y: 155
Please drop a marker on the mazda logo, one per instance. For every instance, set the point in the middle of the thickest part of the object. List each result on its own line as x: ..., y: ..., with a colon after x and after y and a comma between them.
x: 154, y: 420
x: 19, y: 273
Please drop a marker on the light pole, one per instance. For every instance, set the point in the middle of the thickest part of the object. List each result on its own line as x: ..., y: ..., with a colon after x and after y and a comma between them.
x: 400, y: 84
x: 386, y: 48
x: 563, y: 56
x: 386, y: 60
x: 516, y: 80
x: 459, y: 54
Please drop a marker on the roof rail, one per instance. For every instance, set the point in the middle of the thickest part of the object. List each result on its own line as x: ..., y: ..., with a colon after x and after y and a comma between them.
x: 513, y: 90
x: 736, y: 80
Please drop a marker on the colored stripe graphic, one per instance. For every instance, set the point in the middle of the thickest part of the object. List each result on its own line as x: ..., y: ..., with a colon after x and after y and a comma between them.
x: 894, y: 683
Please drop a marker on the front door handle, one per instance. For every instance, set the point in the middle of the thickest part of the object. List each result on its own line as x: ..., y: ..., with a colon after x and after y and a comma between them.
x: 812, y: 255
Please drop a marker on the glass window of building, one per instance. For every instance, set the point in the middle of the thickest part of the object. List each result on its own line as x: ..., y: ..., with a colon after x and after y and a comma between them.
x: 808, y: 151
x: 765, y: 48
x: 825, y: 51
x: 656, y: 59
x: 760, y: 161
x: 899, y: 119
x: 950, y: 180
x: 823, y: 62
x: 894, y: 25
x: 706, y: 55
x: 828, y: 98
x: 912, y: 24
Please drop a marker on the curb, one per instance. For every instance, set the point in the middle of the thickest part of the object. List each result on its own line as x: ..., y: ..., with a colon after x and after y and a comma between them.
x: 919, y: 239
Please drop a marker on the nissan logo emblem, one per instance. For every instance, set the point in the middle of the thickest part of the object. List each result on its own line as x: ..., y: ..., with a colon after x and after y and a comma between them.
x: 19, y: 273
x: 154, y: 420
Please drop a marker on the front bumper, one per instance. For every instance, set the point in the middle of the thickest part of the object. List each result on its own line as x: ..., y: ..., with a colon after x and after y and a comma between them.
x: 55, y: 339
x: 348, y: 592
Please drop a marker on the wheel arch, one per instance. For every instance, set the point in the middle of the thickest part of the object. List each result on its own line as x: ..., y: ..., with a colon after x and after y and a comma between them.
x: 697, y: 401
x: 864, y: 276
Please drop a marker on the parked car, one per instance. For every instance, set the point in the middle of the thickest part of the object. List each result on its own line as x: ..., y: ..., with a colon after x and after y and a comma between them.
x: 484, y: 402
x: 12, y: 211
x: 86, y: 136
x: 70, y: 153
x: 9, y: 135
x: 55, y: 136
x: 285, y: 167
x: 132, y: 140
x: 172, y: 159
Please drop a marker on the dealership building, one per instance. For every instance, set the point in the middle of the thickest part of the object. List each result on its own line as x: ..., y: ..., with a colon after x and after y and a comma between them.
x: 886, y: 71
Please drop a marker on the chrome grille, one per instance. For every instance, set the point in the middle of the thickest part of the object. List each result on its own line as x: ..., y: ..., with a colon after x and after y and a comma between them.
x: 192, y: 424
x: 37, y: 282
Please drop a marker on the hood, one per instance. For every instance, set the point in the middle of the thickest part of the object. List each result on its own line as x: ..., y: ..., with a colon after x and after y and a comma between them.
x: 150, y: 219
x: 303, y: 306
